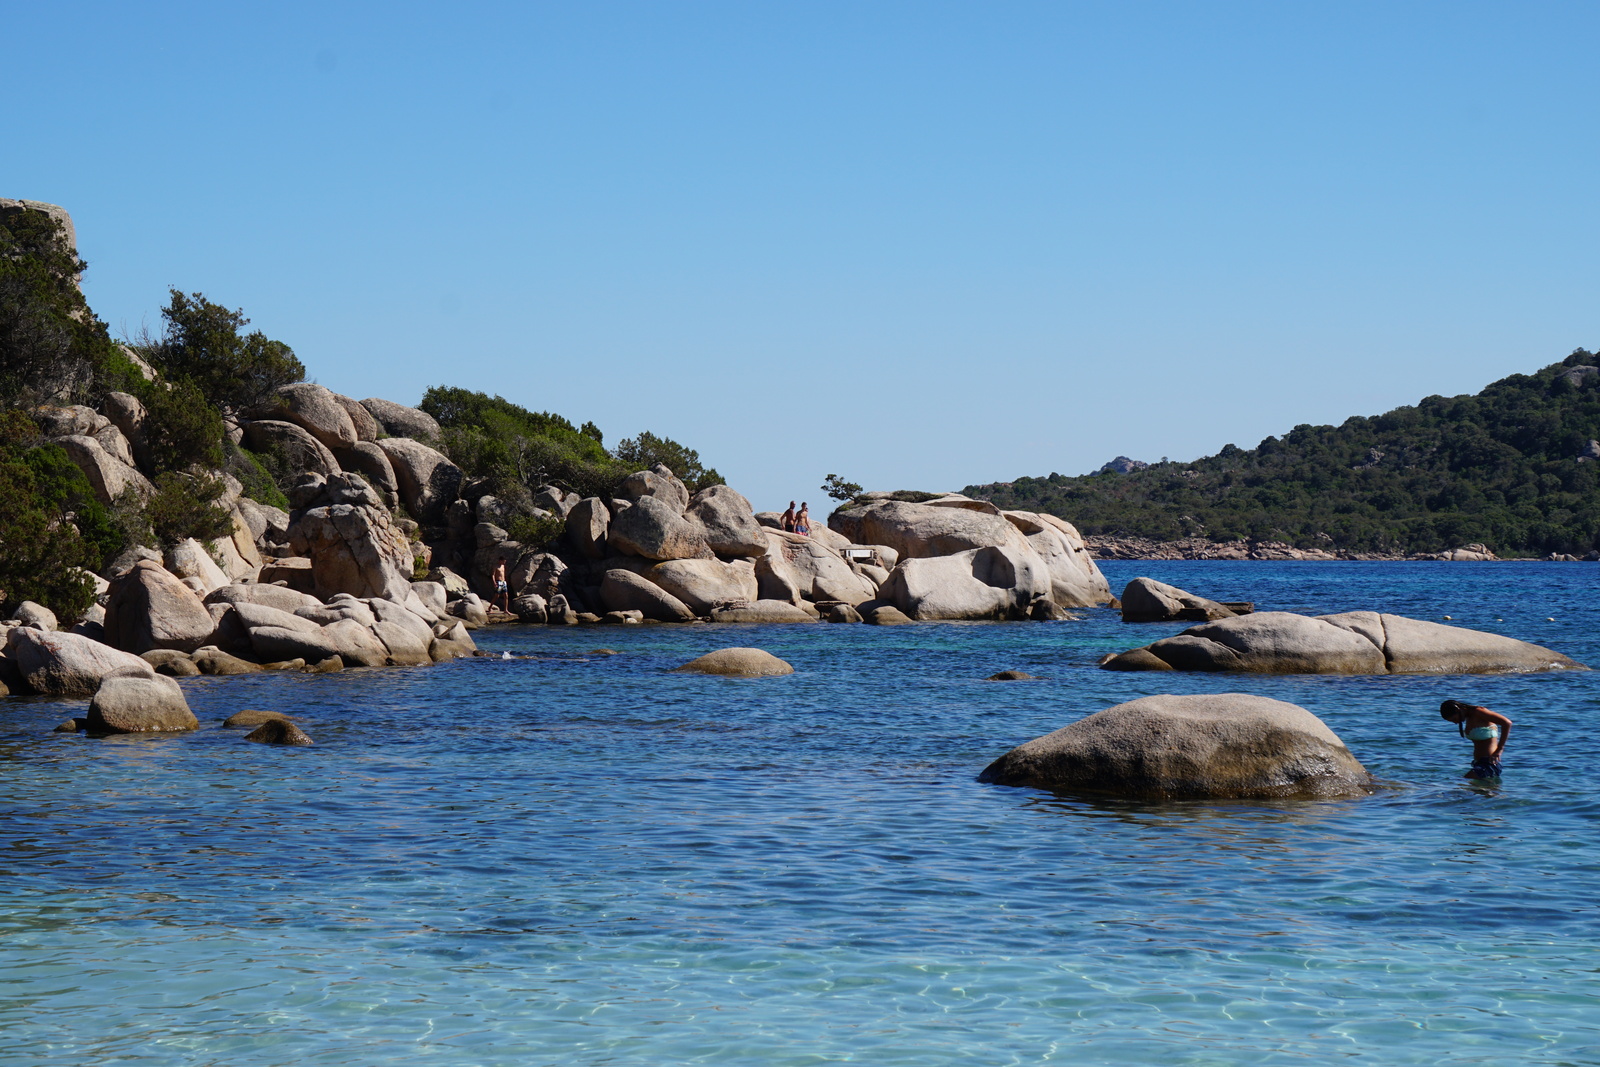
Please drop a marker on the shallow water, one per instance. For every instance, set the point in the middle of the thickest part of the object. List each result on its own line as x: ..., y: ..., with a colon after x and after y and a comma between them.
x: 578, y: 858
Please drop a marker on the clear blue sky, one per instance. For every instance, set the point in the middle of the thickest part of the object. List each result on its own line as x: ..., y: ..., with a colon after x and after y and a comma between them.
x: 918, y: 245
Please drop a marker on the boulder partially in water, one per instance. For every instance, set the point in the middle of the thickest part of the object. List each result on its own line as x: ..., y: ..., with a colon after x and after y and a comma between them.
x: 1147, y: 600
x: 1179, y: 747
x: 738, y: 663
x: 278, y: 732
x: 130, y: 704
x: 62, y: 664
x: 761, y: 611
x: 1354, y: 642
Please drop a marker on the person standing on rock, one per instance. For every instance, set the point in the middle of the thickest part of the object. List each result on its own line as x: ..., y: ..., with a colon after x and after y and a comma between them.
x: 788, y: 519
x: 802, y: 520
x: 1487, y: 730
x: 502, y: 589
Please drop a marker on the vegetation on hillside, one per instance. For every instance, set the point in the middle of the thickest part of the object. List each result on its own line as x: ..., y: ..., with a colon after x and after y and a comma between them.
x: 209, y: 371
x: 43, y: 499
x: 515, y: 450
x: 52, y: 347
x: 1506, y: 467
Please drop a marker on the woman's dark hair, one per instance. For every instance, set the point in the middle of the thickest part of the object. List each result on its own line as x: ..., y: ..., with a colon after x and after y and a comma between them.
x: 1452, y: 707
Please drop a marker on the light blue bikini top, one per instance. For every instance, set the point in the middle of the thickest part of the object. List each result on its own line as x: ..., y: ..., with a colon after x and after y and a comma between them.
x: 1484, y: 733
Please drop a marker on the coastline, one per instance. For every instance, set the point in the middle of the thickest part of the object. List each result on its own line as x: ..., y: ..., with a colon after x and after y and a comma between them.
x: 1107, y: 546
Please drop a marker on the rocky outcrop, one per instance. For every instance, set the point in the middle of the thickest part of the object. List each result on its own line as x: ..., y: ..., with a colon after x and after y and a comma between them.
x: 738, y: 663
x: 587, y: 523
x: 972, y: 547
x: 654, y: 530
x: 919, y: 531
x: 35, y: 615
x: 1212, y: 746
x: 450, y: 641
x: 272, y: 596
x: 1117, y: 547
x: 1075, y: 581
x: 625, y: 591
x: 149, y: 607
x: 300, y: 450
x: 884, y: 615
x: 189, y: 559
x: 1355, y: 642
x: 356, y: 644
x: 705, y: 584
x: 108, y: 476
x: 353, y: 544
x: 315, y: 409
x: 762, y: 612
x: 1147, y: 600
x: 127, y: 413
x: 367, y: 428
x: 134, y: 704
x: 794, y: 567
x: 659, y: 484
x: 726, y: 522
x: 398, y: 420
x: 63, y: 664
x: 982, y: 583
x: 1473, y: 553
x: 368, y: 460
x: 427, y: 480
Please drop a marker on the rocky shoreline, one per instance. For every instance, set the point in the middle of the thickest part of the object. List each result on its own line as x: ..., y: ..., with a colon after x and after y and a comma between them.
x: 1106, y: 546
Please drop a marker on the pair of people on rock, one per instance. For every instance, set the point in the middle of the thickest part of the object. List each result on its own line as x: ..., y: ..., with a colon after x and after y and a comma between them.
x: 797, y: 521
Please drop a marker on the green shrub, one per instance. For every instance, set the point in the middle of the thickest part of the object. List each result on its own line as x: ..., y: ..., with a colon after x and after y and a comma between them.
x: 515, y: 449
x: 536, y: 531
x: 839, y: 489
x: 260, y: 483
x: 185, y: 506
x: 40, y: 548
x: 61, y: 488
x: 182, y: 428
x: 52, y: 347
x: 202, y: 344
x: 646, y: 450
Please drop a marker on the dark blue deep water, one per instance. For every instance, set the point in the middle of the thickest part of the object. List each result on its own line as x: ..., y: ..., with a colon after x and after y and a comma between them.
x: 572, y: 858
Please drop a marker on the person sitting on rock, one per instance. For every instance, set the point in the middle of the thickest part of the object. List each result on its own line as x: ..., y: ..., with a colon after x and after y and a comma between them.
x: 802, y: 520
x: 502, y: 589
x: 787, y: 521
x: 1487, y: 730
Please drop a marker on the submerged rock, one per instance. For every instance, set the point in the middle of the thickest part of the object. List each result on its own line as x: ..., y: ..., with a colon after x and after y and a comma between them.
x: 278, y: 731
x: 252, y: 717
x: 62, y: 664
x: 1210, y: 746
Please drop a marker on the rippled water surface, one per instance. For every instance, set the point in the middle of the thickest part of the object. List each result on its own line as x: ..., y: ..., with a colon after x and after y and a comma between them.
x: 581, y: 859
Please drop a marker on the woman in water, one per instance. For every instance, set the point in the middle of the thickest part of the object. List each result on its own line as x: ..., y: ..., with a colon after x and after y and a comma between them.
x: 1487, y: 730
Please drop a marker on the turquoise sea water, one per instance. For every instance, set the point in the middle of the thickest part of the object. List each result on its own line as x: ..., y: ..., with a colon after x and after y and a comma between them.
x: 580, y: 859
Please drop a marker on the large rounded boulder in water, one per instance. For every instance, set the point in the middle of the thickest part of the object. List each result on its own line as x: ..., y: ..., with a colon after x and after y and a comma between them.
x: 1224, y: 745
x: 1354, y: 642
x: 738, y: 663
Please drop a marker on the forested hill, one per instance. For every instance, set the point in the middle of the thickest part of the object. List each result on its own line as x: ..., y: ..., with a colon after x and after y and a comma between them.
x: 1515, y: 467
